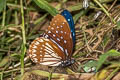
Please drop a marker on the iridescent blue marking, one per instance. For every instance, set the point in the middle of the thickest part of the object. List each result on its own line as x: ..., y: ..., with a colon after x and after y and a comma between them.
x: 70, y: 21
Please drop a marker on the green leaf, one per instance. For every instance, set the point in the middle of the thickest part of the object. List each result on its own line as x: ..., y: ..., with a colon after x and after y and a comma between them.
x: 90, y: 66
x: 118, y: 25
x: 105, y: 40
x: 91, y: 63
x: 2, y: 3
x: 105, y: 1
x: 104, y: 57
x: 78, y: 6
x: 39, y: 20
x: 9, y: 15
x: 4, y: 61
x: 18, y: 77
x: 15, y: 56
x: 77, y: 16
x: 45, y: 5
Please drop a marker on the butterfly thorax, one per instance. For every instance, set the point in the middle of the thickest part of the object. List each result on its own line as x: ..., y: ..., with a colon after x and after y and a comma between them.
x: 67, y: 63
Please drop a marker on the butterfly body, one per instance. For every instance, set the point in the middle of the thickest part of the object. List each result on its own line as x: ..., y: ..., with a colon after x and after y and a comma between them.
x: 68, y: 62
x: 55, y: 46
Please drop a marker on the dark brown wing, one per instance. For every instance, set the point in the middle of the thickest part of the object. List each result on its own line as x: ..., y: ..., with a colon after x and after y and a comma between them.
x: 59, y: 32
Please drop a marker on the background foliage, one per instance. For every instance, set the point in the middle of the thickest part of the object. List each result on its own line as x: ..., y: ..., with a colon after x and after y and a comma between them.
x: 97, y: 49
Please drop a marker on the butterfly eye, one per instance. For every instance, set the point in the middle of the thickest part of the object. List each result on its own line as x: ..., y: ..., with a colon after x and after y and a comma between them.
x: 55, y: 46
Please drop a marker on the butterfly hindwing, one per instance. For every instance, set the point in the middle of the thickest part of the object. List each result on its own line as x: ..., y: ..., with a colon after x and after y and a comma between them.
x: 45, y: 52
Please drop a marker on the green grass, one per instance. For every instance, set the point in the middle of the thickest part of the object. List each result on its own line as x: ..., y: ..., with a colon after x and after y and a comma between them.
x: 97, y: 41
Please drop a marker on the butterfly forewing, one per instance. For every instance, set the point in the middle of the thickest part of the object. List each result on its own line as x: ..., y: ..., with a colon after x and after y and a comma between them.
x: 60, y: 34
x: 70, y: 21
x: 45, y: 52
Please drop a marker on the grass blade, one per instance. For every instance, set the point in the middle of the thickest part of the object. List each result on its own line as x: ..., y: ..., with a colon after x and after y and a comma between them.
x: 44, y: 5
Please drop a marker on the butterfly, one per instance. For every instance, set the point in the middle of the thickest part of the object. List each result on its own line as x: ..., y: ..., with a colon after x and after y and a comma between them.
x: 55, y: 46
